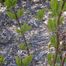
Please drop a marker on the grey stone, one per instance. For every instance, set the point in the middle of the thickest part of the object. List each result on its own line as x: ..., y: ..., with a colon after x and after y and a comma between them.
x: 5, y: 36
x: 40, y: 55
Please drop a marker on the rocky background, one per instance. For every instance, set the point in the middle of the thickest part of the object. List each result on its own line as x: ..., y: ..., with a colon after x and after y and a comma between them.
x: 38, y: 37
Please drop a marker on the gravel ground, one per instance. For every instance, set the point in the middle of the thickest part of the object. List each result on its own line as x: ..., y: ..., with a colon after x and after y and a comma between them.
x: 38, y: 37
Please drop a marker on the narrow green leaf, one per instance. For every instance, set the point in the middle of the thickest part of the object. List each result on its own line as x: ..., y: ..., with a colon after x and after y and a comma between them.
x: 25, y: 27
x: 60, y: 4
x: 18, y: 61
x: 20, y: 12
x: 52, y: 24
x: 54, y: 6
x: 18, y: 31
x: 11, y: 15
x: 40, y: 14
x: 53, y: 40
x: 58, y: 59
x: 65, y: 60
x: 50, y: 57
x: 1, y: 59
x: 10, y: 3
x: 27, y: 60
x: 64, y: 7
x: 22, y: 46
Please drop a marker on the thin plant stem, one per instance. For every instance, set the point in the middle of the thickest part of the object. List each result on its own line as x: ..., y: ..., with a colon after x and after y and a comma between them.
x: 23, y: 34
x: 57, y: 34
x: 28, y: 52
x: 63, y: 60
